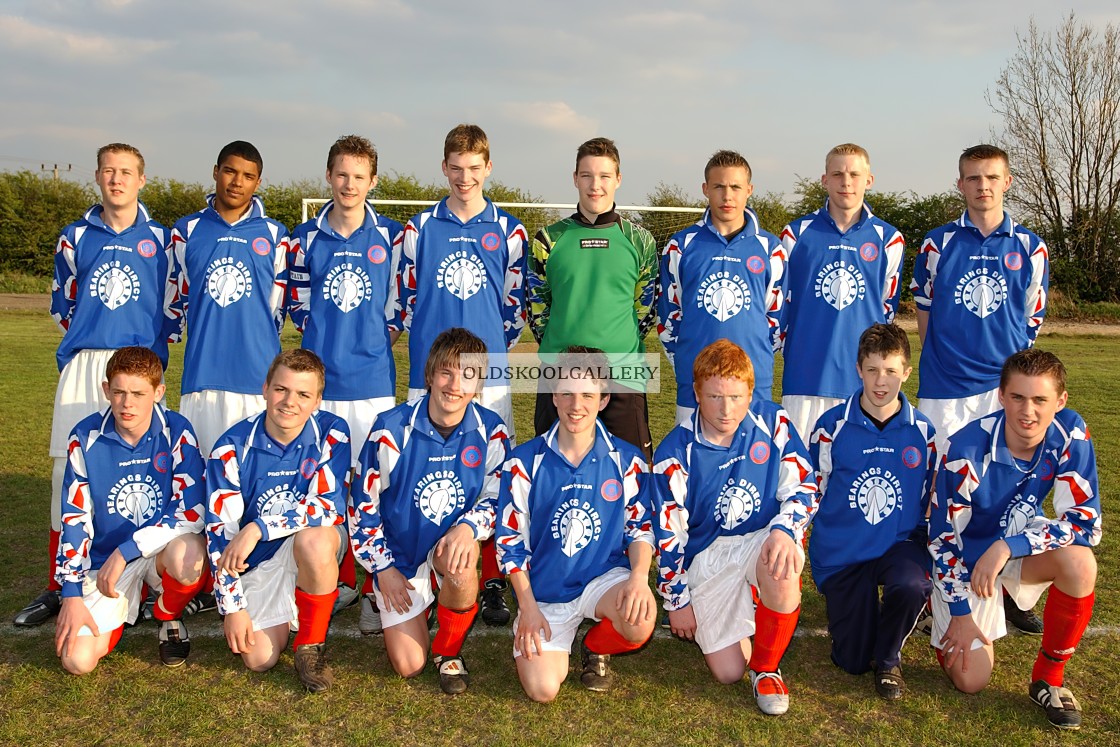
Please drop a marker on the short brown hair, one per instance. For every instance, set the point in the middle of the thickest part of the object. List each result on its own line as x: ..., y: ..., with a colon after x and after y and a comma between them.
x: 847, y: 149
x: 466, y: 138
x: 135, y: 361
x: 883, y: 340
x: 599, y: 147
x: 299, y: 361
x: 982, y: 152
x: 356, y: 146
x: 448, y: 350
x: 724, y: 159
x: 585, y: 360
x: 725, y: 360
x: 1034, y: 362
x: 120, y: 148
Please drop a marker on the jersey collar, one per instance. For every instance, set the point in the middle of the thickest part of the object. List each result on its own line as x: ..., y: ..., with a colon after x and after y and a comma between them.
x: 1006, y: 228
x: 108, y: 428
x: 608, y: 218
x: 489, y: 213
x: 259, y: 438
x: 601, y: 449
x: 865, y: 214
x: 421, y: 423
x: 750, y: 228
x: 853, y: 413
x: 323, y: 224
x: 93, y: 217
x: 255, y: 210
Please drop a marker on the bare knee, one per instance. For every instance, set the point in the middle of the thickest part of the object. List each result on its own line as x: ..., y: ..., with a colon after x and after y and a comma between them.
x: 539, y: 693
x: 639, y: 633
x: 726, y: 673
x: 255, y: 664
x: 79, y: 665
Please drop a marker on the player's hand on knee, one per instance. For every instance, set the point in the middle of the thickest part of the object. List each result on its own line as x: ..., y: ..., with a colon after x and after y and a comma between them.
x: 233, y: 560
x: 958, y: 638
x: 682, y: 623
x: 532, y: 627
x: 109, y: 573
x: 635, y: 601
x: 458, y: 549
x: 73, y: 616
x: 780, y: 556
x: 394, y: 588
x: 239, y: 632
x: 985, y: 573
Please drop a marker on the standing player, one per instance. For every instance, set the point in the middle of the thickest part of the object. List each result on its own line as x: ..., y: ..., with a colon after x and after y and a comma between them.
x: 575, y: 513
x: 341, y: 271
x: 844, y: 275
x: 228, y: 286
x: 595, y: 265
x: 980, y: 286
x: 988, y: 531
x: 425, y: 496
x: 721, y: 278
x: 875, y: 461
x: 463, y: 265
x: 733, y: 496
x: 110, y: 273
x: 132, y: 516
x: 275, y: 525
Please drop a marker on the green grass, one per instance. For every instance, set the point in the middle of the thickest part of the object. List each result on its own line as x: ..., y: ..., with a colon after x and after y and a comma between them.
x: 21, y: 282
x: 664, y: 694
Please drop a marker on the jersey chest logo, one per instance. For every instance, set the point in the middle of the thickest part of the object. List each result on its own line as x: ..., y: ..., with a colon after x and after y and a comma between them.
x: 228, y: 281
x: 981, y: 291
x: 439, y: 495
x: 277, y: 501
x: 1018, y: 516
x: 462, y: 275
x: 575, y: 525
x: 724, y: 295
x: 737, y: 503
x: 135, y: 498
x: 347, y: 286
x: 840, y: 285
x: 875, y: 494
x: 114, y: 284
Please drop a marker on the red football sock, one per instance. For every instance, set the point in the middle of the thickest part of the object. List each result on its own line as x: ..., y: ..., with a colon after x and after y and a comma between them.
x: 604, y: 639
x: 176, y: 596
x: 114, y: 639
x: 772, y: 633
x: 314, y: 612
x: 453, y: 628
x: 367, y: 587
x: 1064, y: 620
x: 347, y: 573
x: 52, y: 549
x: 489, y: 564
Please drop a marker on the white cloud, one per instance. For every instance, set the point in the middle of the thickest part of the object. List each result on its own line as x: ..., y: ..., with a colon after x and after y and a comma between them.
x: 91, y: 49
x: 554, y: 116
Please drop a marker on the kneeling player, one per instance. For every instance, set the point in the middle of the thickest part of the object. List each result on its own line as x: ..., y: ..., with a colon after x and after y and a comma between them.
x: 424, y: 498
x: 733, y: 495
x: 987, y: 531
x: 875, y: 460
x: 274, y: 523
x: 575, y: 508
x: 132, y: 502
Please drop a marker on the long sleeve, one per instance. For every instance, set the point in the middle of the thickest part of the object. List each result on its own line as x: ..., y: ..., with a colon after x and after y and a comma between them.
x: 512, y: 542
x: 669, y: 299
x: 539, y: 292
x: 73, y: 560
x: 797, y: 489
x: 224, y: 509
x: 378, y: 457
x: 671, y: 528
x: 513, y: 306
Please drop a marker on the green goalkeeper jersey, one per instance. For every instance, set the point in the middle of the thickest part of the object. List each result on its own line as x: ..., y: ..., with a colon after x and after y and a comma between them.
x: 592, y: 284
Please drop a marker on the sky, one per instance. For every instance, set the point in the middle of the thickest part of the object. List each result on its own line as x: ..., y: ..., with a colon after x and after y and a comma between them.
x: 781, y: 82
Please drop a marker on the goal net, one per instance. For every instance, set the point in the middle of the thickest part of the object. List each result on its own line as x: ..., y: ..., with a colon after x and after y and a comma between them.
x: 662, y: 222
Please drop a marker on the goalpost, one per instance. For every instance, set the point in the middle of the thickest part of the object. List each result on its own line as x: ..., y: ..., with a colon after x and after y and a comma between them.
x: 662, y: 222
